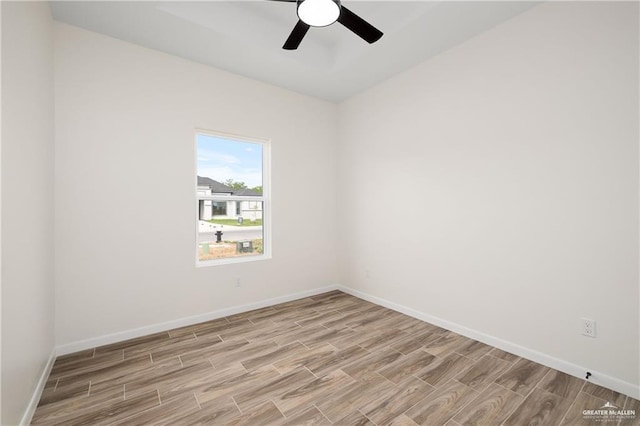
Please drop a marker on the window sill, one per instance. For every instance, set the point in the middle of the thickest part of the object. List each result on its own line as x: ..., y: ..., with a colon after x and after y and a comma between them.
x: 231, y: 260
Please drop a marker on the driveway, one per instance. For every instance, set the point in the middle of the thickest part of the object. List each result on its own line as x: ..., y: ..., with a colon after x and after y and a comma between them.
x: 207, y: 232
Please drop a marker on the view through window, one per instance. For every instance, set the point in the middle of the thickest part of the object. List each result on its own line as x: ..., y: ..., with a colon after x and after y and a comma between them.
x: 231, y: 198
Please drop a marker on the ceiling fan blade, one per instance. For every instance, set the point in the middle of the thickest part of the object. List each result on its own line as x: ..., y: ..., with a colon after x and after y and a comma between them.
x: 359, y: 26
x: 296, y: 36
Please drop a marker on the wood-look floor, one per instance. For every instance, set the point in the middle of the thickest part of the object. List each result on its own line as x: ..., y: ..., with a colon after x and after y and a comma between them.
x: 327, y: 359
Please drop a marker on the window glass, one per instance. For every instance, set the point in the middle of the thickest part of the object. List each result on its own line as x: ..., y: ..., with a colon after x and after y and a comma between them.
x: 230, y: 196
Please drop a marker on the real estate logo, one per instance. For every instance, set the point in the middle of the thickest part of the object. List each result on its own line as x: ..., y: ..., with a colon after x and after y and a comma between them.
x: 609, y: 413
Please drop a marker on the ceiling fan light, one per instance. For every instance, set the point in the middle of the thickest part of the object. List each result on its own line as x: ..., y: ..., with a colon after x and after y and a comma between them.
x: 318, y: 13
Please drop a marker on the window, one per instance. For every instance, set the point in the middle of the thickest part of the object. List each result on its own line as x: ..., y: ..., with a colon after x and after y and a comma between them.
x: 232, y: 203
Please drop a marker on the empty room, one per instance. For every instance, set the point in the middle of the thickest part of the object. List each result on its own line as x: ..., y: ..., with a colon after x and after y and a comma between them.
x: 320, y: 212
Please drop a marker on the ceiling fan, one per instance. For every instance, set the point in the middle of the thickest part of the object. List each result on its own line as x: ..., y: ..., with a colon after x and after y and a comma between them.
x: 321, y: 13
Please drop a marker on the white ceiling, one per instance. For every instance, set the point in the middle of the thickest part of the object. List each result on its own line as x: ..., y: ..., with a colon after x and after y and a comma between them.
x: 246, y: 37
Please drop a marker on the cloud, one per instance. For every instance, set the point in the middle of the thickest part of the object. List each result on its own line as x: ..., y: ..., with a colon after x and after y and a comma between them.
x: 223, y: 160
x: 208, y: 156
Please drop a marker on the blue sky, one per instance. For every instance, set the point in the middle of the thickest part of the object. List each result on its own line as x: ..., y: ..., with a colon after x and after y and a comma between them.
x: 221, y: 159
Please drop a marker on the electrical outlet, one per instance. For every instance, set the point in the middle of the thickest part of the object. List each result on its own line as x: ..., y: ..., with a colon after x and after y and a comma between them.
x: 367, y: 273
x: 237, y: 282
x: 588, y: 327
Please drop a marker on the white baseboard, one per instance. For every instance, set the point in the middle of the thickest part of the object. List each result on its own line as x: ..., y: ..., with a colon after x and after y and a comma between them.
x: 37, y: 393
x: 541, y: 358
x: 181, y: 322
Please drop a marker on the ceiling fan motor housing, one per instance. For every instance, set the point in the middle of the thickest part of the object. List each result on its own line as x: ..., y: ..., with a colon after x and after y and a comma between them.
x: 318, y: 13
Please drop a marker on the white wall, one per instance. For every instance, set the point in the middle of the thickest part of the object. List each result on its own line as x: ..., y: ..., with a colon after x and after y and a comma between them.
x: 27, y: 202
x: 519, y: 150
x: 125, y: 121
x: 0, y: 215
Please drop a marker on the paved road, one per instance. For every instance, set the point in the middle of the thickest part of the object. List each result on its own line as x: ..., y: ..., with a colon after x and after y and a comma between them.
x: 233, y: 234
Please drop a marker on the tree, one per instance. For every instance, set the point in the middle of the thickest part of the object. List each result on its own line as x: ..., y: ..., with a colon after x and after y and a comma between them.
x: 235, y: 185
x: 241, y: 185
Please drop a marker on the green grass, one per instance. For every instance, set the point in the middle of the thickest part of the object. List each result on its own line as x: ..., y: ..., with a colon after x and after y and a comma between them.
x: 234, y: 222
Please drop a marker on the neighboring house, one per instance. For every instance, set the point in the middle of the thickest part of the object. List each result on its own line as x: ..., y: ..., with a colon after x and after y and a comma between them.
x: 249, y: 210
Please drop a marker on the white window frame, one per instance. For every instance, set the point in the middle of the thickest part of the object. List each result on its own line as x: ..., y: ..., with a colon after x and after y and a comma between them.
x: 265, y: 199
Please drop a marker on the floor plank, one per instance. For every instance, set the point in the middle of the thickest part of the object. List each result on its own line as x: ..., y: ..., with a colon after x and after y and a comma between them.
x: 310, y: 416
x: 308, y: 394
x: 482, y: 373
x: 539, y: 408
x: 407, y: 365
x: 355, y: 396
x: 561, y: 384
x: 392, y: 404
x: 491, y: 407
x: 442, y: 369
x: 441, y: 405
x: 522, y: 376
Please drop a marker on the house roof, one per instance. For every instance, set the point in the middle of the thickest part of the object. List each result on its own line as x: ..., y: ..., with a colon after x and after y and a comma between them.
x: 214, y: 185
x: 221, y: 188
